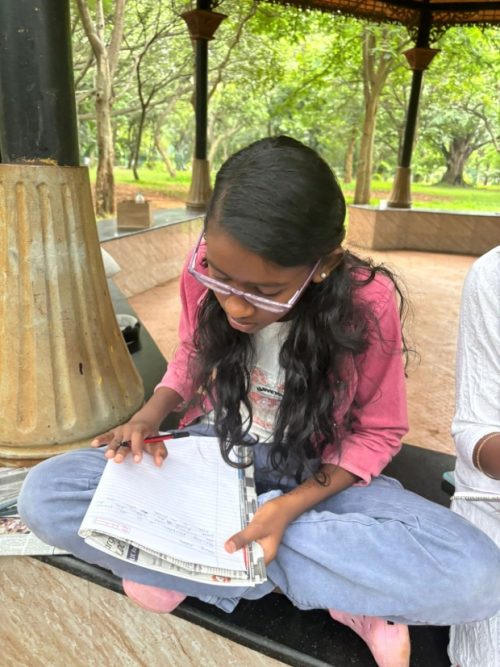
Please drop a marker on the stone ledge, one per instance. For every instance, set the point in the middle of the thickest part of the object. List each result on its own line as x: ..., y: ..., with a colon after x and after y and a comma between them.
x: 423, y: 229
x: 152, y: 257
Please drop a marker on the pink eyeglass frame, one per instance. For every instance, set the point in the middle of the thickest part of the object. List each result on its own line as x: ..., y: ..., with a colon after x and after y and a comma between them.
x: 258, y: 301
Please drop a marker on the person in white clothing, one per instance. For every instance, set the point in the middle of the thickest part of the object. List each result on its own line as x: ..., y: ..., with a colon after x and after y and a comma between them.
x: 476, y: 431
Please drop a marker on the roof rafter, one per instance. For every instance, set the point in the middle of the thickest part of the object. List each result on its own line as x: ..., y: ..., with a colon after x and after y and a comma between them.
x: 444, y: 13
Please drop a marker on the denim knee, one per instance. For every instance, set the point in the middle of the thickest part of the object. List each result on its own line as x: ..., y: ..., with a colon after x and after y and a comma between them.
x: 32, y: 497
x: 56, y: 493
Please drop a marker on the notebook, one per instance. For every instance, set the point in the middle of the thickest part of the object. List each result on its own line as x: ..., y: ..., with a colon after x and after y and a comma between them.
x: 176, y: 518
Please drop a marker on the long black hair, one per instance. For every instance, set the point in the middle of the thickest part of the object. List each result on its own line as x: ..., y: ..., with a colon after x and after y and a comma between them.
x: 279, y: 199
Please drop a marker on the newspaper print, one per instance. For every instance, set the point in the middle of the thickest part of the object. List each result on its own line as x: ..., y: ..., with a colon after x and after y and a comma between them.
x: 151, y: 560
x: 16, y: 539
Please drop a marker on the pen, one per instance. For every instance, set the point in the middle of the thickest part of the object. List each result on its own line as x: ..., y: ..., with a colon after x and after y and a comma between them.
x: 173, y: 435
x: 167, y: 436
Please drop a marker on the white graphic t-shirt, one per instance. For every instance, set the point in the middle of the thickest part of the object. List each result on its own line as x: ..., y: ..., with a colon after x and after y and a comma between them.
x: 267, y: 379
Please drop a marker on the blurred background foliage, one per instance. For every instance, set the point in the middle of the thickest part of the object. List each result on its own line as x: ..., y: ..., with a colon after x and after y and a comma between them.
x: 279, y: 70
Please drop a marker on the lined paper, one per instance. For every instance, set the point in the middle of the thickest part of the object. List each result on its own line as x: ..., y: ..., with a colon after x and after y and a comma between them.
x: 187, y: 508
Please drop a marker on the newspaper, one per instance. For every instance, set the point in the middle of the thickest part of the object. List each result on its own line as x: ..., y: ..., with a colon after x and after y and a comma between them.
x: 178, y: 568
x: 176, y: 518
x: 16, y: 539
x: 11, y: 480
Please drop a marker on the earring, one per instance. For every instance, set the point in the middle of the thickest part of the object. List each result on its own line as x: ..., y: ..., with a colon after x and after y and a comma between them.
x: 323, y: 275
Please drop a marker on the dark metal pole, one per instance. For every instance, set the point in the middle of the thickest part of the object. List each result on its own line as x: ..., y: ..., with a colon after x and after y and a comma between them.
x: 411, y: 119
x: 201, y: 94
x: 202, y: 23
x: 419, y: 59
x: 416, y: 87
x: 37, y: 101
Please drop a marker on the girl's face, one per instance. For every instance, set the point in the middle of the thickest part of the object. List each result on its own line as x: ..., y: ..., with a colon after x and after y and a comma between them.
x: 231, y: 263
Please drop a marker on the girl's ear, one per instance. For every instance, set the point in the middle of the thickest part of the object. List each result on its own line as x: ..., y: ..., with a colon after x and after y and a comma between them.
x: 328, y: 264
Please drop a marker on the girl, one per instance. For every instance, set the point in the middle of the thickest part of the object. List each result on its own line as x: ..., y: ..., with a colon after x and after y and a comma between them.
x: 476, y: 430
x: 294, y: 344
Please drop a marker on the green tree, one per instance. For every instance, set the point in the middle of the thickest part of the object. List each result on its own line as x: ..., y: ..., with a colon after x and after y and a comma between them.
x: 462, y: 98
x: 381, y: 54
x: 158, y: 37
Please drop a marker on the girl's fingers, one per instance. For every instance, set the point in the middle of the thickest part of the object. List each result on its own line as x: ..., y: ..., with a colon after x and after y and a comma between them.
x: 241, y: 539
x: 160, y: 455
x: 121, y: 452
x: 115, y: 449
x: 125, y: 441
x: 158, y: 451
x: 137, y: 445
x: 102, y: 439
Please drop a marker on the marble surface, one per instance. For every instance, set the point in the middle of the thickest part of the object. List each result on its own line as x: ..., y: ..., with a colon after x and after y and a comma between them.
x: 52, y: 618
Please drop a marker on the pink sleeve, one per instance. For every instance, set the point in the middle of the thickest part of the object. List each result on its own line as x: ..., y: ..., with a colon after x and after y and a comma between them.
x: 378, y: 416
x: 178, y: 376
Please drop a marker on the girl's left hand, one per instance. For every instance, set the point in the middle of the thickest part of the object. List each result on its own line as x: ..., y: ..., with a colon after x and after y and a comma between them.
x: 266, y: 528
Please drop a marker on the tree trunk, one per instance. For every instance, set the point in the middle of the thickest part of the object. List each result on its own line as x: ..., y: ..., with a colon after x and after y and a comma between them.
x: 164, y: 155
x: 137, y: 147
x: 219, y: 140
x: 362, y: 191
x: 158, y: 140
x: 106, y: 58
x: 377, y: 63
x: 105, y: 182
x: 456, y: 156
x: 349, y: 156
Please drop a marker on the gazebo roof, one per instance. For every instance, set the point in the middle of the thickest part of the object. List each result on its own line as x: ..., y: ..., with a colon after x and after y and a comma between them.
x: 444, y: 13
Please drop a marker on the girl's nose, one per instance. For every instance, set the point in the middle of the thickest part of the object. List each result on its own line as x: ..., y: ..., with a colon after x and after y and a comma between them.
x: 237, y: 307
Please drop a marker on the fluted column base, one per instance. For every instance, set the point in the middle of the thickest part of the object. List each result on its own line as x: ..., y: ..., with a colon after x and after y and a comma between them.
x: 65, y: 372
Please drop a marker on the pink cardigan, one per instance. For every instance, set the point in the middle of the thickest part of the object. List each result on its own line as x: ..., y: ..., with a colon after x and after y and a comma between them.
x: 376, y: 394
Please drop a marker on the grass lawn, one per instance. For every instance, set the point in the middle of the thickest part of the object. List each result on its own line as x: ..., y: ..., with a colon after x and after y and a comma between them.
x: 485, y: 199
x: 156, y: 180
x: 445, y: 197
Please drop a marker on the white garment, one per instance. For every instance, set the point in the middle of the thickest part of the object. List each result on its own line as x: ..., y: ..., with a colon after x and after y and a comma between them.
x: 267, y: 378
x: 478, y: 414
x: 267, y: 381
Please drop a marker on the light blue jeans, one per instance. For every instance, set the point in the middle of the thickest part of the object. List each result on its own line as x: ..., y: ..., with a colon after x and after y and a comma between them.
x: 377, y: 550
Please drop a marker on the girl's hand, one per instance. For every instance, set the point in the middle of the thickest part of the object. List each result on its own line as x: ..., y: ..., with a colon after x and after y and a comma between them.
x: 144, y: 423
x: 267, y: 528
x: 272, y: 518
x: 133, y: 433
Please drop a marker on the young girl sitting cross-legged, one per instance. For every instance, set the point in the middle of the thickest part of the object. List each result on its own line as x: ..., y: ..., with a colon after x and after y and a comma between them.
x: 294, y: 344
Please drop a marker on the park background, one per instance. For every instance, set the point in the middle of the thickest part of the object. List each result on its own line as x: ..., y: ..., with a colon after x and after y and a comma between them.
x: 325, y: 79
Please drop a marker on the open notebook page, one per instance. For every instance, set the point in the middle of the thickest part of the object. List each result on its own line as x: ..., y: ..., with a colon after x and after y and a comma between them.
x: 187, y: 508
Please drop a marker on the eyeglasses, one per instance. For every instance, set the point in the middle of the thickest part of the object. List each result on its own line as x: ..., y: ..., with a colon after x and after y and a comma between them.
x: 257, y: 301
